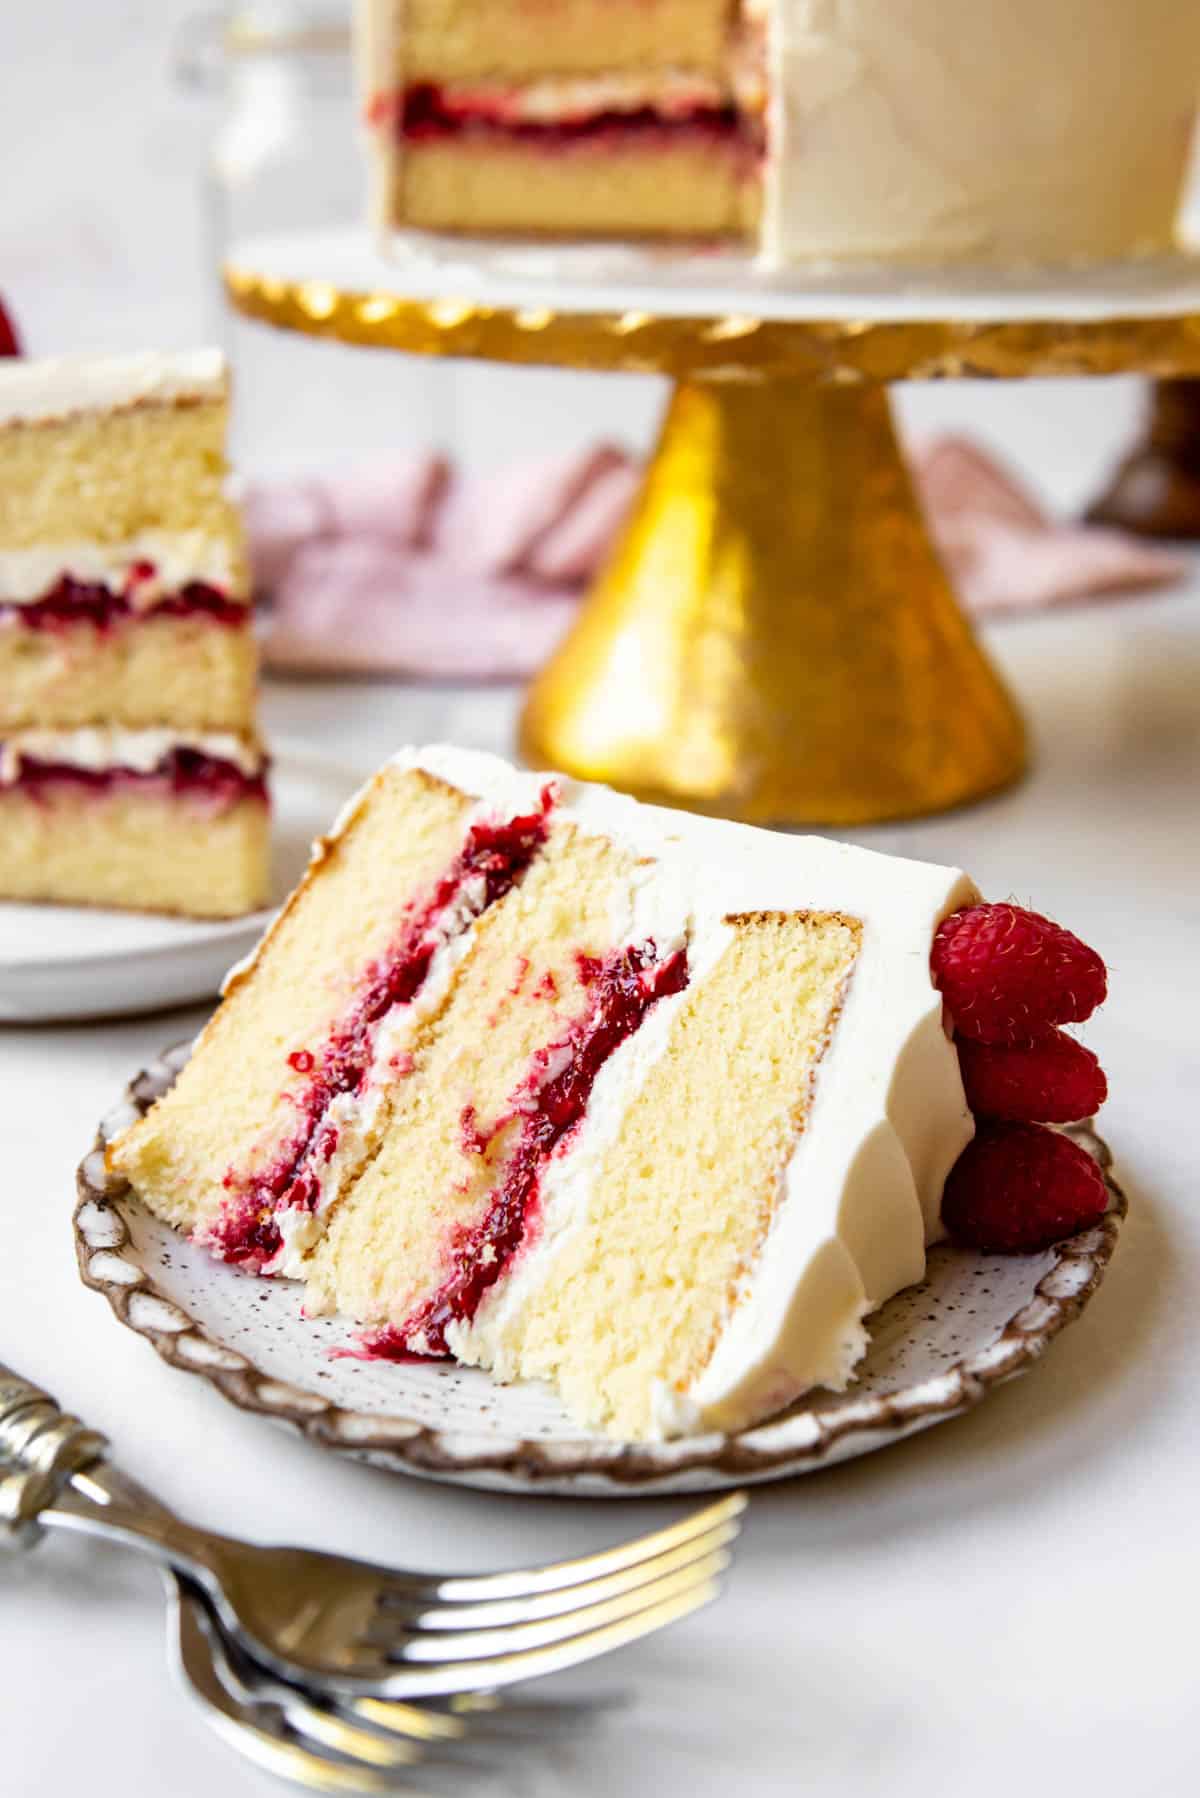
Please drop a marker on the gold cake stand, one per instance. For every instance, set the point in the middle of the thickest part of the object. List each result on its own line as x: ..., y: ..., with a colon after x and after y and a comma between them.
x: 774, y: 637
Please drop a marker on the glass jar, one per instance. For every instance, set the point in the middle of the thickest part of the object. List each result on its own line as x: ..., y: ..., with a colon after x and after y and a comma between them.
x: 286, y: 156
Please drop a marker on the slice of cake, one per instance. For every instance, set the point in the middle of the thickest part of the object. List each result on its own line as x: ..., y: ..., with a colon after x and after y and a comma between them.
x: 655, y: 1107
x: 997, y: 131
x: 130, y: 772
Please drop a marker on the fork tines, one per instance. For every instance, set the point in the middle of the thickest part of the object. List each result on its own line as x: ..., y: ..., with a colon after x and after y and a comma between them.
x: 504, y: 1627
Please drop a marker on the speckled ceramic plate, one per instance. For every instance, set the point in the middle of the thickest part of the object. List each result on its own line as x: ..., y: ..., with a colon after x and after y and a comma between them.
x: 936, y: 1349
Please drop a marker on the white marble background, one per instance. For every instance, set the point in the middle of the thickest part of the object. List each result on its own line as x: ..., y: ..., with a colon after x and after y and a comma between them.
x: 1006, y: 1606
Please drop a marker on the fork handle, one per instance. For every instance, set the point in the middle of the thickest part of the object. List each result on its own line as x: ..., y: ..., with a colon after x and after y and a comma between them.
x: 41, y: 1447
x: 49, y: 1479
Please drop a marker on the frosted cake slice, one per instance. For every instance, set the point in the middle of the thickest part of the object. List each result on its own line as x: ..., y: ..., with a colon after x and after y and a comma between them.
x: 654, y: 1107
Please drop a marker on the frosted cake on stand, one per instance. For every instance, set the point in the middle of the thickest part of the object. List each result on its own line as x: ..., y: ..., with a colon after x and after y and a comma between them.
x: 995, y: 131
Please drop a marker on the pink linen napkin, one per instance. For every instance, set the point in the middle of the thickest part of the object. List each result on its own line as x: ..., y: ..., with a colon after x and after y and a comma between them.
x: 1006, y: 554
x: 418, y: 568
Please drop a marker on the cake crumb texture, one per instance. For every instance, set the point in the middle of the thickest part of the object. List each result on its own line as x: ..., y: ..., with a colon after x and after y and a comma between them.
x: 106, y: 477
x: 457, y: 40
x: 681, y: 1204
x: 141, y: 850
x: 686, y: 187
x: 453, y: 1122
x: 199, y: 675
x: 230, y: 1108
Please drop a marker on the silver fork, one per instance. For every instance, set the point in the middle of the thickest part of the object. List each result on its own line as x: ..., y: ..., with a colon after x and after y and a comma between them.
x: 290, y: 1728
x: 310, y: 1741
x: 264, y: 1732
x: 385, y: 1736
x: 365, y: 1630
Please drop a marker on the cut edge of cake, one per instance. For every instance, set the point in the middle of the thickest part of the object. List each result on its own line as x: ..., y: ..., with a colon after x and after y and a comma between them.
x: 643, y: 124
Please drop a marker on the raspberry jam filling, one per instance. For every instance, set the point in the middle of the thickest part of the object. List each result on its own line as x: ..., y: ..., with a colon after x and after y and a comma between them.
x: 427, y: 113
x: 493, y: 859
x: 550, y: 1104
x: 186, y: 774
x: 70, y: 602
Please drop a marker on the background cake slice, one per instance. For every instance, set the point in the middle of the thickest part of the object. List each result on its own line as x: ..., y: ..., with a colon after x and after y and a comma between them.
x: 130, y: 771
x: 654, y: 1107
x: 1003, y: 132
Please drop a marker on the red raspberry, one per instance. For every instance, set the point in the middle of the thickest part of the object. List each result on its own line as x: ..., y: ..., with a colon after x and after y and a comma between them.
x: 10, y: 343
x: 1009, y: 975
x: 1053, y: 1081
x: 1020, y: 1187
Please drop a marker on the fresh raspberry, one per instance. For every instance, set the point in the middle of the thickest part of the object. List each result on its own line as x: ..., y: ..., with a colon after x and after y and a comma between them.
x: 1052, y: 1081
x: 1020, y: 1187
x: 1009, y: 975
x: 10, y: 343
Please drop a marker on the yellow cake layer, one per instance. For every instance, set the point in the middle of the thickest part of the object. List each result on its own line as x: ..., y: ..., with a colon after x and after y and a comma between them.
x: 454, y: 40
x: 682, y: 1201
x: 689, y: 188
x: 386, y: 1248
x: 106, y: 477
x: 137, y: 850
x: 186, y: 672
x: 227, y: 1109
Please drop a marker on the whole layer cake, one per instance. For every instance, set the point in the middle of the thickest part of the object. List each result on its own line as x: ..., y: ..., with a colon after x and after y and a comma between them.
x: 1000, y: 131
x: 655, y: 1107
x: 130, y: 771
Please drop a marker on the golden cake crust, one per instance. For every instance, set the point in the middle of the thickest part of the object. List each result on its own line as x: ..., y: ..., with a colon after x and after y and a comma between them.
x: 455, y: 40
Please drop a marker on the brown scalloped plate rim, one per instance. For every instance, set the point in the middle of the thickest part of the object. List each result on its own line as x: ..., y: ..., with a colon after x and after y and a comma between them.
x: 840, y: 1426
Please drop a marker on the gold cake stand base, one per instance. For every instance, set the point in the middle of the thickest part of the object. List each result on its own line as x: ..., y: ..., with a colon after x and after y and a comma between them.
x: 774, y: 637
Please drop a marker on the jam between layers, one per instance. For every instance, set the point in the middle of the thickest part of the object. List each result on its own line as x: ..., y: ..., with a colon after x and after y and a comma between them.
x: 494, y: 856
x: 70, y: 603
x: 547, y: 1107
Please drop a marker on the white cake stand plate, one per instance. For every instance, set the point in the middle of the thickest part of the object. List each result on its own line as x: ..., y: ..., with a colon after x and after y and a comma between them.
x: 665, y: 281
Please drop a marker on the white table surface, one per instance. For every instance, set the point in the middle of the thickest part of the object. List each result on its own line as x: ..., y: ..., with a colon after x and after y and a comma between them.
x: 1000, y: 1605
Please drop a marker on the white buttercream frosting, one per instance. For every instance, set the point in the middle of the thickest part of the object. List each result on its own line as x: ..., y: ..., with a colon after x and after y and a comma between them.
x: 178, y: 557
x: 59, y: 386
x: 861, y: 1194
x: 1007, y: 131
x: 100, y: 747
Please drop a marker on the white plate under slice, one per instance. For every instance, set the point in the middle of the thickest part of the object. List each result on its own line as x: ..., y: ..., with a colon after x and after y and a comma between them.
x: 936, y: 1350
x: 72, y: 962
